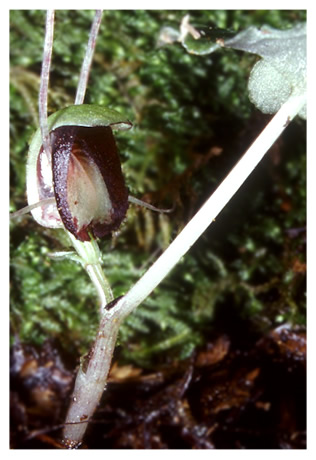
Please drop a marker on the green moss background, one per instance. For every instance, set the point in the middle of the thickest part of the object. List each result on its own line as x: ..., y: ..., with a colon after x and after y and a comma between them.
x: 192, y: 121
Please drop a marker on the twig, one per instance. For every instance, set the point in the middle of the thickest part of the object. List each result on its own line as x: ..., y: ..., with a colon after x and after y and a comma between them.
x: 86, y: 65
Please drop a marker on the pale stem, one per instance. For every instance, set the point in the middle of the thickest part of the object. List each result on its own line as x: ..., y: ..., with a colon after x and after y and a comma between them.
x: 209, y: 211
x: 92, y: 375
x: 43, y: 92
x: 86, y: 64
x: 91, y: 379
x: 89, y: 253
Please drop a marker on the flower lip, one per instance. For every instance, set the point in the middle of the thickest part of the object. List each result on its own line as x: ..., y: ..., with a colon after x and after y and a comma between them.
x: 88, y: 182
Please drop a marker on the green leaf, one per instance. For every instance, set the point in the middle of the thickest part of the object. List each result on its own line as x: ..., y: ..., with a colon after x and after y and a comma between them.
x: 279, y: 74
x: 282, y: 70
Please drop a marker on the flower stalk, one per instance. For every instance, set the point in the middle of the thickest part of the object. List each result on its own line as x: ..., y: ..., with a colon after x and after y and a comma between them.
x: 90, y: 257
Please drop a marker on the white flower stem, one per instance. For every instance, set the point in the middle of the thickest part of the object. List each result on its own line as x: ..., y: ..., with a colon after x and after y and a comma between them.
x: 91, y: 378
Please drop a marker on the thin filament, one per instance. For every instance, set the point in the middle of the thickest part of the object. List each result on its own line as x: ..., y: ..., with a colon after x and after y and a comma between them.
x: 86, y: 65
x: 134, y: 200
x: 29, y: 208
x: 43, y: 93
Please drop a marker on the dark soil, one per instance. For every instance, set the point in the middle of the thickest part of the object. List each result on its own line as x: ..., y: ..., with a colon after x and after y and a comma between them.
x: 224, y: 397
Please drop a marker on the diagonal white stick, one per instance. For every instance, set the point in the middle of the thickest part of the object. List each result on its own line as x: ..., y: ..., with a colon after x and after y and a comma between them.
x: 209, y: 211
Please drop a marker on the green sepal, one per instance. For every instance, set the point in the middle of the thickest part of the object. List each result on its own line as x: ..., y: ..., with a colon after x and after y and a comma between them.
x: 87, y: 115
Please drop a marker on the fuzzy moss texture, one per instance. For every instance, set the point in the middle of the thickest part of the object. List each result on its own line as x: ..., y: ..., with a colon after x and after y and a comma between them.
x: 192, y: 121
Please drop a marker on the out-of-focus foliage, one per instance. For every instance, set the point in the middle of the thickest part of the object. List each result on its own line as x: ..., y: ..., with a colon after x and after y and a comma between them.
x: 192, y: 121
